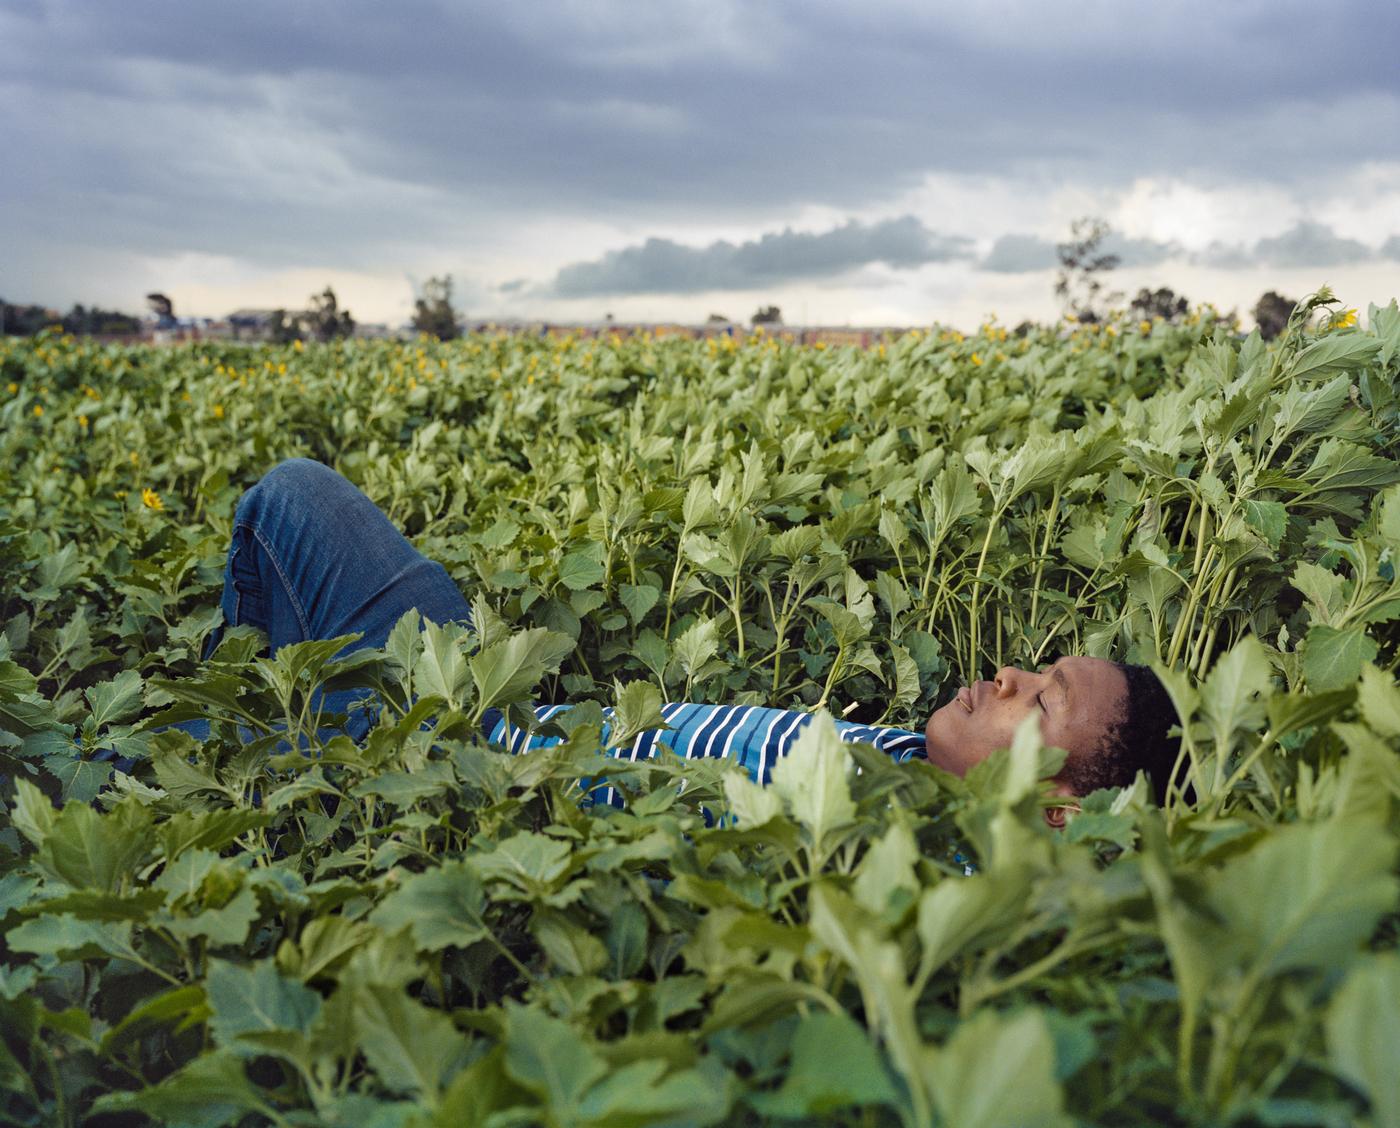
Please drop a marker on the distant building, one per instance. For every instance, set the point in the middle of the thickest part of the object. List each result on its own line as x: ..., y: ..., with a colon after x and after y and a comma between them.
x: 253, y: 324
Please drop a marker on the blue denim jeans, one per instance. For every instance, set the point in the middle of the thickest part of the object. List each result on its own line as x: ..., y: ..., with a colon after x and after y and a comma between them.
x: 312, y: 557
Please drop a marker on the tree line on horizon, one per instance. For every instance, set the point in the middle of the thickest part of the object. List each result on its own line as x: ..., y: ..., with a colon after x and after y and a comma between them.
x: 1080, y: 285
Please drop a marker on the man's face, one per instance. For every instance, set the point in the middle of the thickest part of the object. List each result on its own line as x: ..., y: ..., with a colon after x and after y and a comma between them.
x: 1077, y: 700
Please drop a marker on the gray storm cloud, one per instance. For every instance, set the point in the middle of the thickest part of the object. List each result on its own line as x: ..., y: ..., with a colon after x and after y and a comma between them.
x: 1310, y: 244
x: 1019, y: 254
x: 660, y: 266
x: 1306, y: 244
x: 368, y: 137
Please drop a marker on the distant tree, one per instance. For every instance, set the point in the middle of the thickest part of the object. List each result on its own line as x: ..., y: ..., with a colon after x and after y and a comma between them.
x: 1163, y: 303
x: 75, y: 321
x: 433, y: 312
x: 767, y: 315
x: 163, y: 308
x: 716, y: 319
x: 1272, y: 312
x: 325, y: 320
x: 81, y: 320
x: 282, y: 328
x: 1078, y: 284
x: 24, y: 320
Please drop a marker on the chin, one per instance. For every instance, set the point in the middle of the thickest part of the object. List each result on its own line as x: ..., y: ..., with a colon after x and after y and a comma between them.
x: 941, y: 738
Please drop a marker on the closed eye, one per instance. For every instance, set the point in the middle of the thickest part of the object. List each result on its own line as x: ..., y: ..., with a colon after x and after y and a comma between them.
x: 1040, y: 700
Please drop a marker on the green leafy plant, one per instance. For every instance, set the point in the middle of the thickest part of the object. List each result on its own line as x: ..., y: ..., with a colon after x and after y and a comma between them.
x: 423, y: 929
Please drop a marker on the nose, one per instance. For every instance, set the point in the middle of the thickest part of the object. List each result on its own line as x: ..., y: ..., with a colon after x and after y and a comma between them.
x: 1008, y: 681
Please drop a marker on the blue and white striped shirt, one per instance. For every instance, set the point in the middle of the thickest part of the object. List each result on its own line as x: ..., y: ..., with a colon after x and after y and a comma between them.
x: 752, y: 736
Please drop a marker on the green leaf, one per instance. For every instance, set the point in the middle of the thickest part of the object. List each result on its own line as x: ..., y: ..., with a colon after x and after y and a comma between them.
x: 696, y: 646
x: 404, y: 644
x: 626, y: 940
x: 1342, y: 465
x: 1310, y: 410
x: 811, y: 780
x: 81, y: 779
x: 1267, y: 518
x: 86, y: 904
x: 1337, y: 352
x: 638, y: 710
x: 1379, y: 699
x: 530, y: 862
x: 181, y: 779
x: 550, y: 1059
x: 411, y: 1048
x: 579, y: 570
x: 209, y: 1092
x: 1363, y: 1034
x: 1307, y: 896
x: 183, y: 877
x: 57, y: 572
x: 834, y: 1066
x: 222, y: 926
x: 508, y: 670
x: 15, y: 679
x: 255, y: 1000
x: 893, y: 594
x: 1370, y: 775
x: 299, y: 664
x: 751, y: 804
x: 570, y: 947
x: 442, y: 668
x: 406, y: 790
x: 499, y: 535
x: 442, y: 908
x: 182, y: 1006
x: 16, y: 891
x: 886, y: 878
x: 208, y: 830
x: 1233, y: 695
x: 907, y: 686
x: 1333, y: 658
x: 15, y: 983
x: 116, y: 700
x: 638, y: 599
x: 640, y: 1094
x: 479, y: 1090
x: 878, y: 965
x: 33, y: 815
x: 26, y: 718
x: 217, y: 691
x: 89, y: 850
x: 323, y: 947
x: 846, y: 625
x: 960, y: 913
x: 997, y: 1072
x: 68, y: 938
x: 1289, y: 712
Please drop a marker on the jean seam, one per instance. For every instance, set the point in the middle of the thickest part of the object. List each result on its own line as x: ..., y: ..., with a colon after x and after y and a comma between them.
x: 282, y: 575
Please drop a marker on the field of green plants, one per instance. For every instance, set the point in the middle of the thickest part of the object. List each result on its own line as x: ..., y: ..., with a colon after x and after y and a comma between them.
x: 422, y: 929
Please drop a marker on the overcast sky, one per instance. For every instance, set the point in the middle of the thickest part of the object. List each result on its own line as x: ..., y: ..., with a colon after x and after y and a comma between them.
x: 858, y: 162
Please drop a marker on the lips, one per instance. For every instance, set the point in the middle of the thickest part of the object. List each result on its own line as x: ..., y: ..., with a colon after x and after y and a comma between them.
x: 965, y: 698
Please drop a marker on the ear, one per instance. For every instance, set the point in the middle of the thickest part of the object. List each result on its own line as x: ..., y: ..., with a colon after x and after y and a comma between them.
x: 1058, y: 815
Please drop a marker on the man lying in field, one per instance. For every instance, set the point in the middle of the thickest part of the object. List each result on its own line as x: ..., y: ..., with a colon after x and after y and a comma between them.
x: 313, y: 557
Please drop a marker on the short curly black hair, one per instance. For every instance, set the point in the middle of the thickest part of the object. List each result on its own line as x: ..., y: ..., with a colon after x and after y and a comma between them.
x: 1137, y: 740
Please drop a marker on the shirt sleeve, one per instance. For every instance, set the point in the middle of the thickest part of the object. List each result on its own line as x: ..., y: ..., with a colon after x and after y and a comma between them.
x: 753, y: 736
